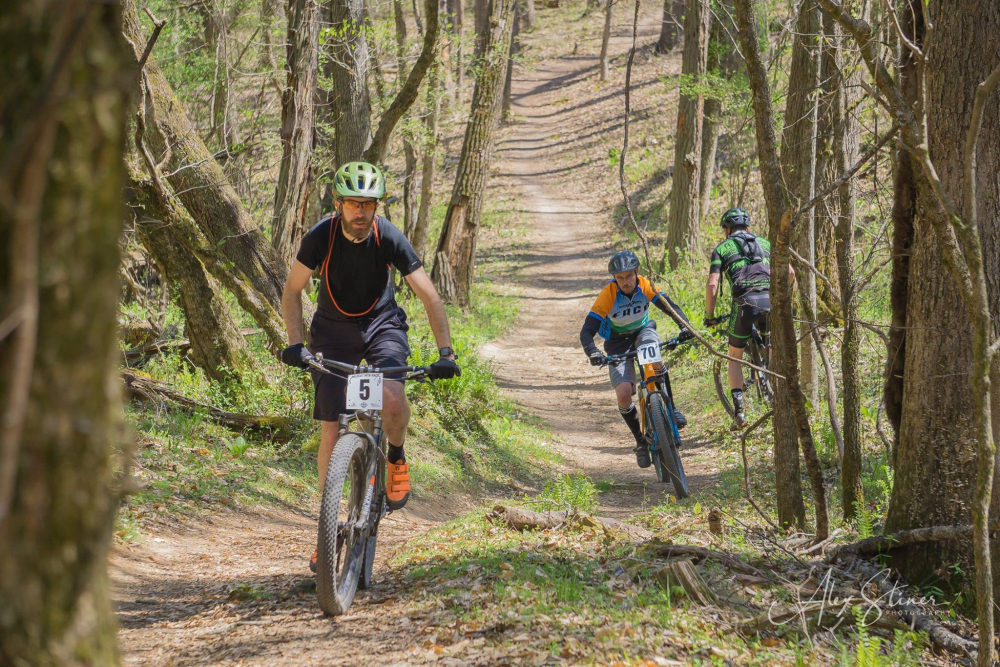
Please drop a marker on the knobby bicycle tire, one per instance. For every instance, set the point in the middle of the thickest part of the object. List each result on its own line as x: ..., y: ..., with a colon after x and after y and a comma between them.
x: 765, y: 388
x: 668, y: 457
x: 369, y: 560
x: 720, y: 374
x: 335, y: 589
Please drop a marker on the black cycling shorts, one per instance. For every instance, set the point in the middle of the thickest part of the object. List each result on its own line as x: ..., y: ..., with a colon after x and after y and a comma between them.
x: 748, y: 309
x: 380, y: 340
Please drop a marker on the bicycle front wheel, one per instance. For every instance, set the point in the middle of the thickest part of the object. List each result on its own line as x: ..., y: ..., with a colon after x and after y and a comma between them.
x: 666, y: 455
x: 720, y: 374
x: 341, y: 540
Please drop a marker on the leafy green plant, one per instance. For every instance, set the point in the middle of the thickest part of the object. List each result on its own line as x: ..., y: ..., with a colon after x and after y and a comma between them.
x: 568, y: 491
x: 237, y: 446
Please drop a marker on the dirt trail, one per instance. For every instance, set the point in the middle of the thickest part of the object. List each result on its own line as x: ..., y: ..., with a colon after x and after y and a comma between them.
x: 233, y: 589
x: 541, y: 363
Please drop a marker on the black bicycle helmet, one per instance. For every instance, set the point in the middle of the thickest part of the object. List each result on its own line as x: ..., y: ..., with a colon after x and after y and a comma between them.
x: 735, y: 217
x: 622, y: 261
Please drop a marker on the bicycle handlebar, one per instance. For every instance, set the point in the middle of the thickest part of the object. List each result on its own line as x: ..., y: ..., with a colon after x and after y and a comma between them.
x: 667, y: 345
x: 324, y: 365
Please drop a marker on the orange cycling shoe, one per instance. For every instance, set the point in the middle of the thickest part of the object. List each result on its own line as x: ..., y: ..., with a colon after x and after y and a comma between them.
x: 312, y: 561
x: 398, y: 487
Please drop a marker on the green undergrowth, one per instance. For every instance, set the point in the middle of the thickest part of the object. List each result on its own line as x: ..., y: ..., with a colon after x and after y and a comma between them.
x: 587, y: 596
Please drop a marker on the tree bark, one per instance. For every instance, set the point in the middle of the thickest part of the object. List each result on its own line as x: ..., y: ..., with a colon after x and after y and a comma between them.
x: 722, y: 64
x: 670, y: 29
x: 779, y: 216
x: 298, y: 115
x: 685, y: 206
x: 528, y: 15
x: 268, y: 61
x: 456, y: 11
x: 65, y: 98
x: 456, y: 250
x: 515, y: 48
x: 481, y: 15
x: 606, y: 39
x: 350, y: 64
x: 798, y: 167
x: 845, y: 149
x: 217, y: 345
x: 418, y: 238
x: 199, y: 181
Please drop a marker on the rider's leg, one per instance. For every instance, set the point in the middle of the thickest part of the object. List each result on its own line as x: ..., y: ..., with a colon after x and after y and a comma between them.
x: 329, y: 432
x: 735, y: 369
x: 627, y: 409
x: 395, y: 415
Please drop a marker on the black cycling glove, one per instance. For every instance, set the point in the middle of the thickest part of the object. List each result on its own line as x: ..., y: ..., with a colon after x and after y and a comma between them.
x: 444, y: 369
x: 597, y: 359
x: 296, y: 356
x: 684, y: 335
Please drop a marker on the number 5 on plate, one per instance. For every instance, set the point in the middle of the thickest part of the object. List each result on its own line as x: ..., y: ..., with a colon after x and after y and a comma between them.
x: 364, y: 391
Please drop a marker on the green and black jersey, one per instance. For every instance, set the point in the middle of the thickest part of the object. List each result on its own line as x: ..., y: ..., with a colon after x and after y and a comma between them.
x: 745, y: 260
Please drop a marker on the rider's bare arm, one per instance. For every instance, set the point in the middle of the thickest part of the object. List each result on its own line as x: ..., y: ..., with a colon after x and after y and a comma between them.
x: 422, y: 286
x: 291, y: 301
x: 711, y: 293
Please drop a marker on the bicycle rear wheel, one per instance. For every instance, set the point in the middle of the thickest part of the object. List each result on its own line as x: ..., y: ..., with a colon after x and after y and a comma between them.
x: 666, y: 455
x: 765, y: 389
x: 341, y: 544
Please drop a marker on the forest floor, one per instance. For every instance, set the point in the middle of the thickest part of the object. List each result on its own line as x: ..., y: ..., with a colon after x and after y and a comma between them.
x: 233, y: 588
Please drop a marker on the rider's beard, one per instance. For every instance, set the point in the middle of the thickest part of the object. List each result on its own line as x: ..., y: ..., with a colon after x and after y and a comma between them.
x: 359, y: 227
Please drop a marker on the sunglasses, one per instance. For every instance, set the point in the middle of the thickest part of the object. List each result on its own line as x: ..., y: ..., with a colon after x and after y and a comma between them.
x: 366, y: 206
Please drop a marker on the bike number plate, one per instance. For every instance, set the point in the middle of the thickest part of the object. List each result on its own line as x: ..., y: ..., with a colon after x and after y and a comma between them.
x: 649, y: 354
x: 364, y: 391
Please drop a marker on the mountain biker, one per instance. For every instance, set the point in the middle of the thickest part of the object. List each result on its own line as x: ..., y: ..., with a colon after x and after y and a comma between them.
x: 357, y: 316
x: 620, y: 315
x: 745, y: 259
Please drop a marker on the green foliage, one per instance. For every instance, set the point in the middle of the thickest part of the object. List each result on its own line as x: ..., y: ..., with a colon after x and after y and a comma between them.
x: 568, y: 492
x: 904, y: 650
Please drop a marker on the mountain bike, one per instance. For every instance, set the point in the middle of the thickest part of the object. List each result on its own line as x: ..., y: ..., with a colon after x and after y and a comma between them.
x: 656, y: 412
x: 354, y: 500
x: 758, y: 353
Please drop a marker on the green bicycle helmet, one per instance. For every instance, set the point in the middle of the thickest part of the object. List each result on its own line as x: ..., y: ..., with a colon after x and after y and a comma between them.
x: 359, y: 179
x: 735, y: 217
x: 622, y: 261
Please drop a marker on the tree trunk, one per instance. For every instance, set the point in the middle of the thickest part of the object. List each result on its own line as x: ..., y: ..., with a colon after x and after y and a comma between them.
x: 798, y: 167
x: 199, y: 181
x: 847, y: 130
x: 606, y: 39
x: 670, y: 29
x: 66, y: 91
x: 939, y: 429
x: 268, y: 62
x: 685, y: 206
x: 723, y: 64
x: 515, y: 48
x: 456, y: 11
x: 481, y: 11
x: 779, y: 216
x: 216, y: 342
x: 419, y: 235
x: 291, y: 200
x: 456, y: 250
x: 350, y: 64
x: 528, y: 15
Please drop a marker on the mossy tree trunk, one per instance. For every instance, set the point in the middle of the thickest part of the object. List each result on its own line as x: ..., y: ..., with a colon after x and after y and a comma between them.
x: 66, y: 88
x: 217, y: 345
x: 199, y: 181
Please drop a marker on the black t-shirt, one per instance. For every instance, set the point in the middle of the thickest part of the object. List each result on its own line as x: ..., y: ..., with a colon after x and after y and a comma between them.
x: 354, y: 277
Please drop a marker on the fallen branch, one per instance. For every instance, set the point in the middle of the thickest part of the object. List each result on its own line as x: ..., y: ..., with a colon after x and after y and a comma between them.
x: 882, y: 543
x: 160, y: 346
x: 774, y: 618
x: 522, y: 519
x: 660, y: 549
x: 149, y: 390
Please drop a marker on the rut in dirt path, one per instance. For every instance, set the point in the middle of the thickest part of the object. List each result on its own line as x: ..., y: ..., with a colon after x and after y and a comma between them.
x: 540, y: 363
